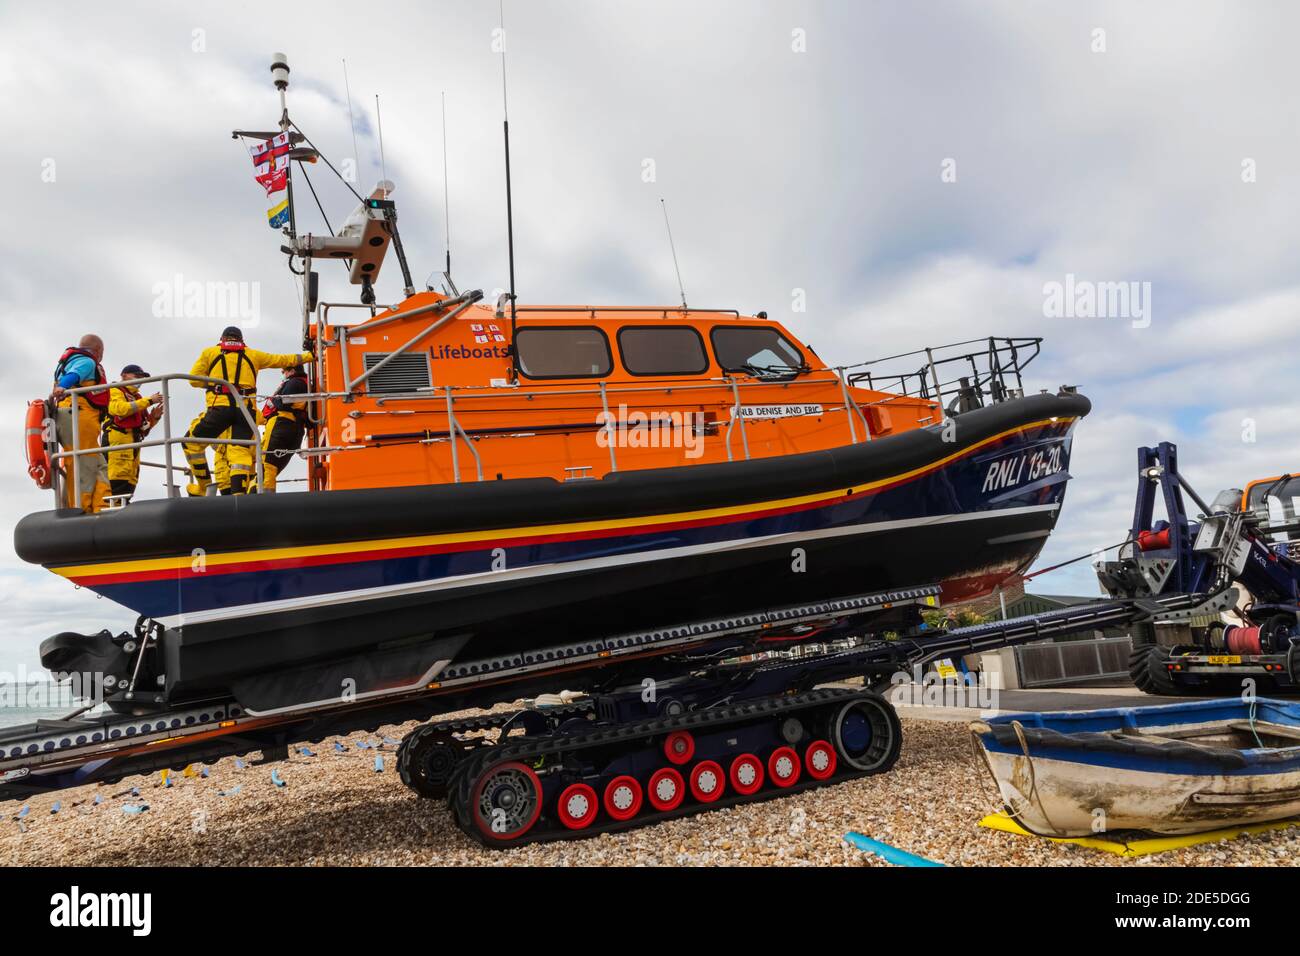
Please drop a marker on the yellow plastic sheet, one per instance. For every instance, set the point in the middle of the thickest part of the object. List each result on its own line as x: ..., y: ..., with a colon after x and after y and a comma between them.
x: 1004, y: 823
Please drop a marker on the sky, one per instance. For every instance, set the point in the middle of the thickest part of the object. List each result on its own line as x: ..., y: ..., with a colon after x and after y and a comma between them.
x: 879, y: 176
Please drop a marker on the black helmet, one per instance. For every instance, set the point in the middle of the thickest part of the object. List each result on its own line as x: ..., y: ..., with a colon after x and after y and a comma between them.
x: 232, y: 334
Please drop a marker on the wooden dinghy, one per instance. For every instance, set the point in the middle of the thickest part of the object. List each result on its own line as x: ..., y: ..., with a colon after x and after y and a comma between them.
x: 1179, y: 768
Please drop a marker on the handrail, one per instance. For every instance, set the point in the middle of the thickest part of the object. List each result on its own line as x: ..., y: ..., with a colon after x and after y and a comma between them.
x: 609, y: 428
x: 680, y: 310
x: 487, y: 391
x: 992, y: 372
x: 452, y: 427
x: 76, y: 452
x: 736, y: 415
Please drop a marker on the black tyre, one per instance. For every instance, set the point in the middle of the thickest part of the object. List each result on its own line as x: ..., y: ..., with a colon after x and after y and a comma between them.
x: 867, y: 734
x: 1146, y: 667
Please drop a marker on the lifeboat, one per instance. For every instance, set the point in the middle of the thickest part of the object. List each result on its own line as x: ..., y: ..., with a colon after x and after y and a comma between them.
x: 645, y: 467
x: 485, y: 480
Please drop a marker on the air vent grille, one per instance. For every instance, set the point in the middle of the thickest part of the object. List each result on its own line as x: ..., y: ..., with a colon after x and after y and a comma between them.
x: 405, y: 373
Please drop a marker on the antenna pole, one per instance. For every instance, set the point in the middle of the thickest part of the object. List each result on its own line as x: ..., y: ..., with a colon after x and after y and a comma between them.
x: 680, y: 288
x: 352, y: 124
x: 446, y: 194
x: 383, y: 166
x: 510, y: 221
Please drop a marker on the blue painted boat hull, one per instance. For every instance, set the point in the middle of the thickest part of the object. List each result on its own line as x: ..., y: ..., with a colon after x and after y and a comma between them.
x: 1180, y: 768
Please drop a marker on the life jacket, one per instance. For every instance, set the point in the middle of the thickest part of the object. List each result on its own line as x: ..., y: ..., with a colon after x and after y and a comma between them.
x: 128, y: 423
x: 98, y: 399
x: 227, y: 348
x: 295, y: 410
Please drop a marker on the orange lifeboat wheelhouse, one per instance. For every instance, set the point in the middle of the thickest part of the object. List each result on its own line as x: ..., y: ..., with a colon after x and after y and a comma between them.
x: 427, y: 394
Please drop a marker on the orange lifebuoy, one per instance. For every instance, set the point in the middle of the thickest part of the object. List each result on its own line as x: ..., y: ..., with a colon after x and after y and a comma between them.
x: 38, y: 458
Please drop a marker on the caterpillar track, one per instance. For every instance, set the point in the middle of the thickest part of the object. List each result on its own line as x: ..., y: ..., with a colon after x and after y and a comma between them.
x: 583, y: 778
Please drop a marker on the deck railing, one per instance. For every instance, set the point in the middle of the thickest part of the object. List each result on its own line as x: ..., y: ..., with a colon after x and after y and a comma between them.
x: 991, y: 373
x: 79, y: 450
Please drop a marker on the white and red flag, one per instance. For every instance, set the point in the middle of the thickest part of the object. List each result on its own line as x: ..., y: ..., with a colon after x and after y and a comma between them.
x: 270, y: 149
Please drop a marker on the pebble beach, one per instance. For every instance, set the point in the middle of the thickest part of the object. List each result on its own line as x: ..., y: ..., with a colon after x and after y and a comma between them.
x: 334, y: 808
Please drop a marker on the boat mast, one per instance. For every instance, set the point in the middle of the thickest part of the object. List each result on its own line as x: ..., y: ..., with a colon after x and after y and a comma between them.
x: 280, y: 76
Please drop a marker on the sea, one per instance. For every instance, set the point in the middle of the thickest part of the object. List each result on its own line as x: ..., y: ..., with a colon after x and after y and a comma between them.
x: 25, y: 702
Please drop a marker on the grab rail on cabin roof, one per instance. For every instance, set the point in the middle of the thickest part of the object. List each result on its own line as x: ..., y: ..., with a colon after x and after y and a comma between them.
x: 77, y: 452
x: 664, y: 310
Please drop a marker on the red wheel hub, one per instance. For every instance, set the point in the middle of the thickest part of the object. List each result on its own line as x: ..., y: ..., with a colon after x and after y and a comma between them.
x: 679, y: 747
x: 783, y: 767
x: 507, y: 802
x: 707, y: 781
x: 623, y: 797
x: 578, y: 806
x: 819, y: 758
x: 746, y: 774
x: 667, y: 789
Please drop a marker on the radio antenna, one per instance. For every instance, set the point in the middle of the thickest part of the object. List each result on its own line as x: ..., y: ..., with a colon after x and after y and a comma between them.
x: 680, y: 288
x: 352, y: 123
x: 510, y: 221
x: 383, y: 167
x: 446, y: 196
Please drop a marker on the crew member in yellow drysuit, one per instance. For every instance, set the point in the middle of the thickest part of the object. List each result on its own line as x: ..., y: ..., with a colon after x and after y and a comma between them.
x: 79, y: 366
x: 232, y: 361
x: 221, y: 461
x: 130, y: 416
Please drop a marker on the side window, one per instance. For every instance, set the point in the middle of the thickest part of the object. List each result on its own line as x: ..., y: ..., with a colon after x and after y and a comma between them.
x: 563, y: 352
x: 749, y: 348
x: 662, y: 350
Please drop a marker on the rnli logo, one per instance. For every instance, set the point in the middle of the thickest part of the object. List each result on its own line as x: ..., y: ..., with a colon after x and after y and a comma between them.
x: 1025, y: 467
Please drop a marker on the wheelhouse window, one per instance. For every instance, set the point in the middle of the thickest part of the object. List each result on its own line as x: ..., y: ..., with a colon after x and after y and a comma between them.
x: 758, y: 350
x: 563, y: 352
x: 662, y: 350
